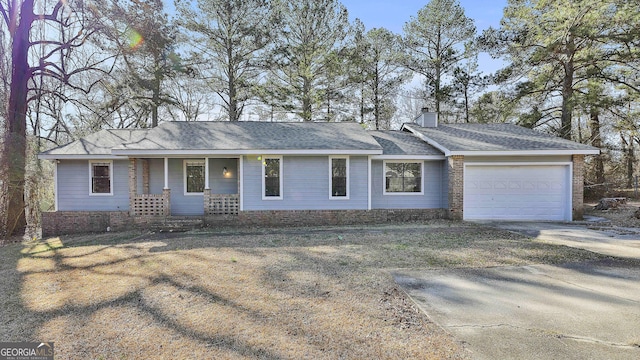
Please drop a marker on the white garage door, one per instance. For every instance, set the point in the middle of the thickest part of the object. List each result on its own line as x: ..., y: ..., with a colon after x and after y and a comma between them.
x: 527, y: 192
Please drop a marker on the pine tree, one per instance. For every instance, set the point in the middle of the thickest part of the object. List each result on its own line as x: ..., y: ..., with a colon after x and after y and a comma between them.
x: 558, y: 46
x: 435, y: 43
x: 231, y: 37
x: 312, y: 32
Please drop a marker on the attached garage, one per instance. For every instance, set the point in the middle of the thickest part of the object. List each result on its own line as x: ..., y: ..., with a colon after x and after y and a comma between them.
x: 517, y: 192
x: 502, y: 171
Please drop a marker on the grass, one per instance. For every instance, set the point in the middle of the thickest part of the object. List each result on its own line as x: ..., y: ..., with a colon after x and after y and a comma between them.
x: 302, y: 293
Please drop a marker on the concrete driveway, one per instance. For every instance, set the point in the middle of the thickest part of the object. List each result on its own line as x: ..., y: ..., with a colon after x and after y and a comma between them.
x: 592, y: 236
x: 577, y: 311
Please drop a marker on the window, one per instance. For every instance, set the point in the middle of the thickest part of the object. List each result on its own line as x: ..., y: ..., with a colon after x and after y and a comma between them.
x: 339, y: 177
x: 101, y: 174
x: 403, y: 177
x: 272, y: 178
x: 193, y: 177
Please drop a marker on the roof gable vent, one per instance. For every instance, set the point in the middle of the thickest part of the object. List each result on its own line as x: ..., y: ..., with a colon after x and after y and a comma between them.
x: 427, y: 118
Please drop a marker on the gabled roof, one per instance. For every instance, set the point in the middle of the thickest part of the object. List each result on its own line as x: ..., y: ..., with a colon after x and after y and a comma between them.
x: 183, y: 138
x: 306, y: 138
x: 403, y: 145
x: 496, y: 139
x: 98, y: 144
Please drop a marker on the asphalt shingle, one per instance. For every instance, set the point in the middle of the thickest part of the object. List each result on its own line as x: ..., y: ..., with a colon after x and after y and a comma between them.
x: 402, y: 143
x: 495, y: 137
x: 249, y: 135
x: 98, y: 143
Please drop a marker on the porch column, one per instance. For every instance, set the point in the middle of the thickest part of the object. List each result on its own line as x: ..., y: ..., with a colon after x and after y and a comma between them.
x: 166, y: 173
x: 166, y: 192
x: 456, y: 186
x: 55, y: 184
x: 241, y: 182
x: 133, y: 184
x: 206, y: 174
x: 369, y: 182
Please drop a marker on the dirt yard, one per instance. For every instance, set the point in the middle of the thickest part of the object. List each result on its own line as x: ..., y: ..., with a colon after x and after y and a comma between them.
x: 301, y: 293
x: 621, y: 216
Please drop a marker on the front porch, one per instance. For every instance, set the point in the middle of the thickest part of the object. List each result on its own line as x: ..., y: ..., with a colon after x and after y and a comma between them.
x: 162, y: 187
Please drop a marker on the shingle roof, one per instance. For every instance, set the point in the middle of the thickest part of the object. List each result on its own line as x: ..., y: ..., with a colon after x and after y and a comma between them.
x: 316, y: 137
x: 98, y: 143
x: 402, y: 143
x: 215, y: 136
x: 495, y: 138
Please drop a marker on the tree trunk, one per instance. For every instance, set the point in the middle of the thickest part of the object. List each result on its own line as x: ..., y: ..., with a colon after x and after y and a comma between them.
x: 15, y: 142
x: 233, y: 101
x: 376, y: 99
x: 466, y: 103
x: 438, y: 73
x: 567, y: 93
x: 156, y: 97
x: 628, y: 154
x: 631, y: 157
x: 306, y: 99
x: 362, y: 104
x: 596, y: 140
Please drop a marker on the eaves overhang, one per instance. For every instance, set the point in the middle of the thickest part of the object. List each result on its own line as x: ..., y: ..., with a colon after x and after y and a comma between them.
x: 302, y: 152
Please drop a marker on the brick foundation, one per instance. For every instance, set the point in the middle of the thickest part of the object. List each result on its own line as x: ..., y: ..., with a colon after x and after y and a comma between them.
x: 324, y: 217
x: 78, y: 222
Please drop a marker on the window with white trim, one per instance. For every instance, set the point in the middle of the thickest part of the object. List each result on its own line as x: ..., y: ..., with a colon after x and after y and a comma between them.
x: 193, y: 177
x: 403, y: 177
x: 101, y: 175
x: 272, y: 177
x: 339, y: 177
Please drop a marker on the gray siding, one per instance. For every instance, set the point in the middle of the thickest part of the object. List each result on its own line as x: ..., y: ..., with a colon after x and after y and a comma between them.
x: 433, y: 185
x: 182, y: 204
x: 156, y: 176
x: 74, y: 187
x: 306, y: 185
x: 445, y: 184
x: 223, y: 184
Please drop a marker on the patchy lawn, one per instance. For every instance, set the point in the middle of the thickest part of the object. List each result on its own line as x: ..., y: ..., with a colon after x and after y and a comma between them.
x: 620, y: 217
x: 302, y: 293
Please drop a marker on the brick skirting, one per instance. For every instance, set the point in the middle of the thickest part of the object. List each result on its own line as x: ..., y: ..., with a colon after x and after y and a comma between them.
x: 578, y: 187
x: 76, y: 222
x: 332, y: 217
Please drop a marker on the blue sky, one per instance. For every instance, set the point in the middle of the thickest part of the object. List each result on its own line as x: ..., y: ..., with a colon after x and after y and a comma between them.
x: 393, y: 14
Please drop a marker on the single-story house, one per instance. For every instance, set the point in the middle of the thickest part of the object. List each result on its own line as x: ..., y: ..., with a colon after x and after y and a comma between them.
x: 314, y: 173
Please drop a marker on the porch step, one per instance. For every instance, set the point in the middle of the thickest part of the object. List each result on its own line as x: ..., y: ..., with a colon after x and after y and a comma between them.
x: 178, y: 223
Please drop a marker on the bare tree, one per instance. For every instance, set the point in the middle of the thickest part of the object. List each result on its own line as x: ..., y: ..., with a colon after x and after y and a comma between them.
x: 140, y: 32
x: 68, y: 25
